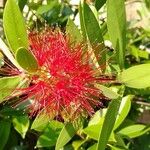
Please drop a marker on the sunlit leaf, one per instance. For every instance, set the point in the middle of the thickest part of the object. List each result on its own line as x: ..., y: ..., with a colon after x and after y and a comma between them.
x: 26, y: 60
x: 77, y: 144
x: 65, y: 136
x: 123, y: 110
x: 134, y: 130
x: 45, y: 8
x: 91, y: 25
x: 1, y: 60
x: 98, y: 117
x: 116, y: 23
x: 93, y: 147
x: 95, y: 126
x: 107, y: 91
x: 50, y: 134
x: 136, y: 77
x: 74, y: 33
x: 108, y: 124
x: 115, y: 147
x: 14, y: 26
x: 8, y: 85
x: 40, y: 122
x: 93, y: 132
x: 8, y: 54
x: 83, y: 30
x: 21, y: 124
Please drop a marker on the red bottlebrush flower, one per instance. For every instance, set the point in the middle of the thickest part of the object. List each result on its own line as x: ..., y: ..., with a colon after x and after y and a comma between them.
x: 64, y: 83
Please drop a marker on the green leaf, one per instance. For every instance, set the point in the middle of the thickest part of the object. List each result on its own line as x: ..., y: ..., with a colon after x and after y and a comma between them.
x: 1, y: 60
x: 21, y: 124
x: 93, y: 132
x: 136, y: 77
x: 143, y: 54
x: 56, y: 124
x: 93, y: 147
x: 94, y: 128
x: 104, y: 28
x: 123, y: 110
x: 48, y: 138
x: 41, y: 121
x: 143, y: 142
x: 98, y: 117
x: 116, y: 23
x: 93, y: 33
x: 147, y: 3
x: 50, y: 135
x: 108, y: 124
x: 26, y: 60
x: 107, y: 91
x: 83, y: 30
x: 45, y: 8
x: 120, y: 141
x: 9, y: 111
x: 92, y: 26
x: 7, y: 86
x: 116, y: 148
x: 78, y: 143
x: 4, y: 133
x: 95, y: 124
x: 99, y: 3
x: 14, y: 26
x: 72, y: 30
x: 8, y: 54
x: 134, y: 130
x: 21, y: 4
x: 65, y: 136
x: 137, y: 53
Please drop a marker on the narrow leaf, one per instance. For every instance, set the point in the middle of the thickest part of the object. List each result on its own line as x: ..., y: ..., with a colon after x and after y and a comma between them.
x: 108, y: 124
x: 65, y: 136
x: 8, y: 54
x: 116, y: 23
x: 26, y: 60
x: 14, y: 26
x: 91, y: 24
x: 99, y: 3
x: 74, y: 33
x: 94, y: 33
x: 22, y: 4
x: 123, y: 110
x: 83, y: 30
x: 136, y: 77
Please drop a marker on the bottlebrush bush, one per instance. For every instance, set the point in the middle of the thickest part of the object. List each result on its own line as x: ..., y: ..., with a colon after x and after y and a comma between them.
x: 62, y: 87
